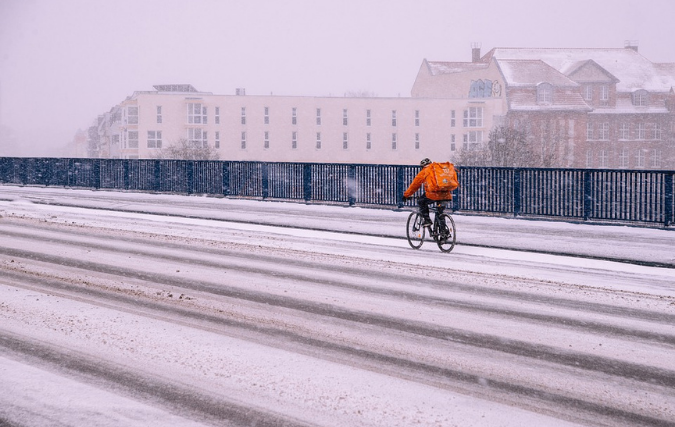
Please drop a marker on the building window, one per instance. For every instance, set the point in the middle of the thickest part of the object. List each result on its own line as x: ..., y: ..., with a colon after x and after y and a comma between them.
x: 243, y: 115
x: 623, y: 158
x: 368, y: 141
x: 417, y: 141
x: 452, y: 143
x: 217, y: 115
x: 589, y: 159
x: 589, y: 131
x: 657, y: 131
x: 294, y: 140
x: 266, y: 118
x: 197, y: 137
x: 641, y: 132
x: 588, y: 93
x: 624, y: 131
x: 132, y: 136
x: 345, y: 140
x: 318, y: 140
x: 266, y: 142
x: 604, y: 94
x: 344, y: 117
x: 602, y: 158
x: 417, y: 117
x: 217, y: 139
x: 544, y: 93
x: 367, y: 117
x: 604, y: 131
x: 656, y: 158
x: 159, y: 114
x: 154, y: 139
x: 294, y: 116
x: 393, y: 117
x: 473, y: 117
x: 640, y: 159
x: 243, y: 140
x: 475, y: 137
x: 394, y: 141
x: 452, y: 118
x: 640, y: 98
x: 132, y: 115
x: 318, y: 116
x: 196, y: 114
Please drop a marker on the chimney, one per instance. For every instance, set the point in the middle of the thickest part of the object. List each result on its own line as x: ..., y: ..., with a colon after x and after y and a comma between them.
x: 631, y: 44
x: 475, y: 52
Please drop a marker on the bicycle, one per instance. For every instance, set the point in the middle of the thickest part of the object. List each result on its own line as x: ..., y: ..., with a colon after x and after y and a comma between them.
x: 442, y: 230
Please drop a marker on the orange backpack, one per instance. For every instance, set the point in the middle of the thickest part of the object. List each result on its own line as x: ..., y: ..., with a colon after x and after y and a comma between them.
x: 443, y: 177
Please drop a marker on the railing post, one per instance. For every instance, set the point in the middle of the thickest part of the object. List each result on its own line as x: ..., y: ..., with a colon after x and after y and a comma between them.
x: 400, y: 186
x: 190, y: 175
x: 351, y: 184
x: 264, y: 171
x: 668, y: 198
x: 456, y: 196
x: 588, y: 197
x: 23, y: 172
x: 127, y: 178
x: 157, y: 175
x: 97, y: 173
x: 307, y: 182
x: 69, y: 172
x: 517, y: 202
x: 226, y: 178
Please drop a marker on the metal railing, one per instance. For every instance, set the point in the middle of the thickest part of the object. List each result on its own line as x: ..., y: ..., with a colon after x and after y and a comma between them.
x: 632, y: 196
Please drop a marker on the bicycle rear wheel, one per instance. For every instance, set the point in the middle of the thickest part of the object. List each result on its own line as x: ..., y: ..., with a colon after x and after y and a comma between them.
x: 415, y: 231
x: 446, y: 233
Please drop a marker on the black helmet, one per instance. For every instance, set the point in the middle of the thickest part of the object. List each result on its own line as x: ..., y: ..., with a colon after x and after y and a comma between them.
x: 425, y: 162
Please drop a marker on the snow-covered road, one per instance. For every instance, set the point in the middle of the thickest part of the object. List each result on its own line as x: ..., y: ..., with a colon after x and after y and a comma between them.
x: 121, y: 309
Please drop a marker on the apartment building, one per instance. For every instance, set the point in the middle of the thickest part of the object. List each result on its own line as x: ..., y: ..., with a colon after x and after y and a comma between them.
x: 294, y: 128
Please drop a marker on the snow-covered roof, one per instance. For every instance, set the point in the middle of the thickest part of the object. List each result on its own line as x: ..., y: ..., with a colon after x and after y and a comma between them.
x: 561, y: 101
x: 439, y: 67
x: 531, y: 73
x: 633, y: 70
x: 175, y: 88
x: 625, y: 106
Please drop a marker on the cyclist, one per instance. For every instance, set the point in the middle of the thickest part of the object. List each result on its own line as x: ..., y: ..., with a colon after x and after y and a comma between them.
x: 424, y: 177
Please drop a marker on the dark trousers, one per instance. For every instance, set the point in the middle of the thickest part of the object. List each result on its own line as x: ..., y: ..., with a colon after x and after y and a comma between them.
x: 423, y: 201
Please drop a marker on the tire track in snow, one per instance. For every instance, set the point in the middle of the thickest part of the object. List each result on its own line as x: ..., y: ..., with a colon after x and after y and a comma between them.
x: 201, y: 406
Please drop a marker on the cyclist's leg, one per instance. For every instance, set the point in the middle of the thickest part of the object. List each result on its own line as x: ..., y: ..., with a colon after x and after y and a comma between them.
x: 440, y: 207
x: 423, y: 202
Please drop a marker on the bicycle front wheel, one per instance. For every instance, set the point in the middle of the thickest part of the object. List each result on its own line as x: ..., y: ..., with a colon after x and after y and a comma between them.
x: 446, y: 233
x: 415, y: 231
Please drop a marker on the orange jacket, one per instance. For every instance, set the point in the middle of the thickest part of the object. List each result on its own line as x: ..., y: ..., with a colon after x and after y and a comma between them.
x: 423, y: 177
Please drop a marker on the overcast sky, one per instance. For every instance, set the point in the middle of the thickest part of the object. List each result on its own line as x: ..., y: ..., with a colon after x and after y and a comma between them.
x: 63, y: 62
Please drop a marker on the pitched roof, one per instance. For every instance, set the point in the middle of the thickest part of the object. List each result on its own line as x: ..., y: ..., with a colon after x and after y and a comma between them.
x: 439, y: 67
x: 632, y: 70
x: 562, y: 101
x: 524, y: 72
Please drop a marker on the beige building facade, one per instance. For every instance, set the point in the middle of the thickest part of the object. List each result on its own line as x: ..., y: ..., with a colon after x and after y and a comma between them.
x: 366, y: 130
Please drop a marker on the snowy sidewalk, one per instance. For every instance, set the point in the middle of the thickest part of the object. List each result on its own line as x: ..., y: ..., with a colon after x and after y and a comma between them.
x: 649, y: 246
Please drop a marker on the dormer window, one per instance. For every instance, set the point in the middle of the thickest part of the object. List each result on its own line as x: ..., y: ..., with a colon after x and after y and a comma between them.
x: 640, y: 98
x: 544, y: 93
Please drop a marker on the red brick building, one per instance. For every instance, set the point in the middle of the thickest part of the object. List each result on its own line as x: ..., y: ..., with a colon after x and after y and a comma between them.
x: 594, y: 108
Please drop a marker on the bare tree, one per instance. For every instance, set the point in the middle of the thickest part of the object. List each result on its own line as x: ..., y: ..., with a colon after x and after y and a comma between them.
x: 506, y: 147
x: 188, y: 150
x: 551, y: 144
